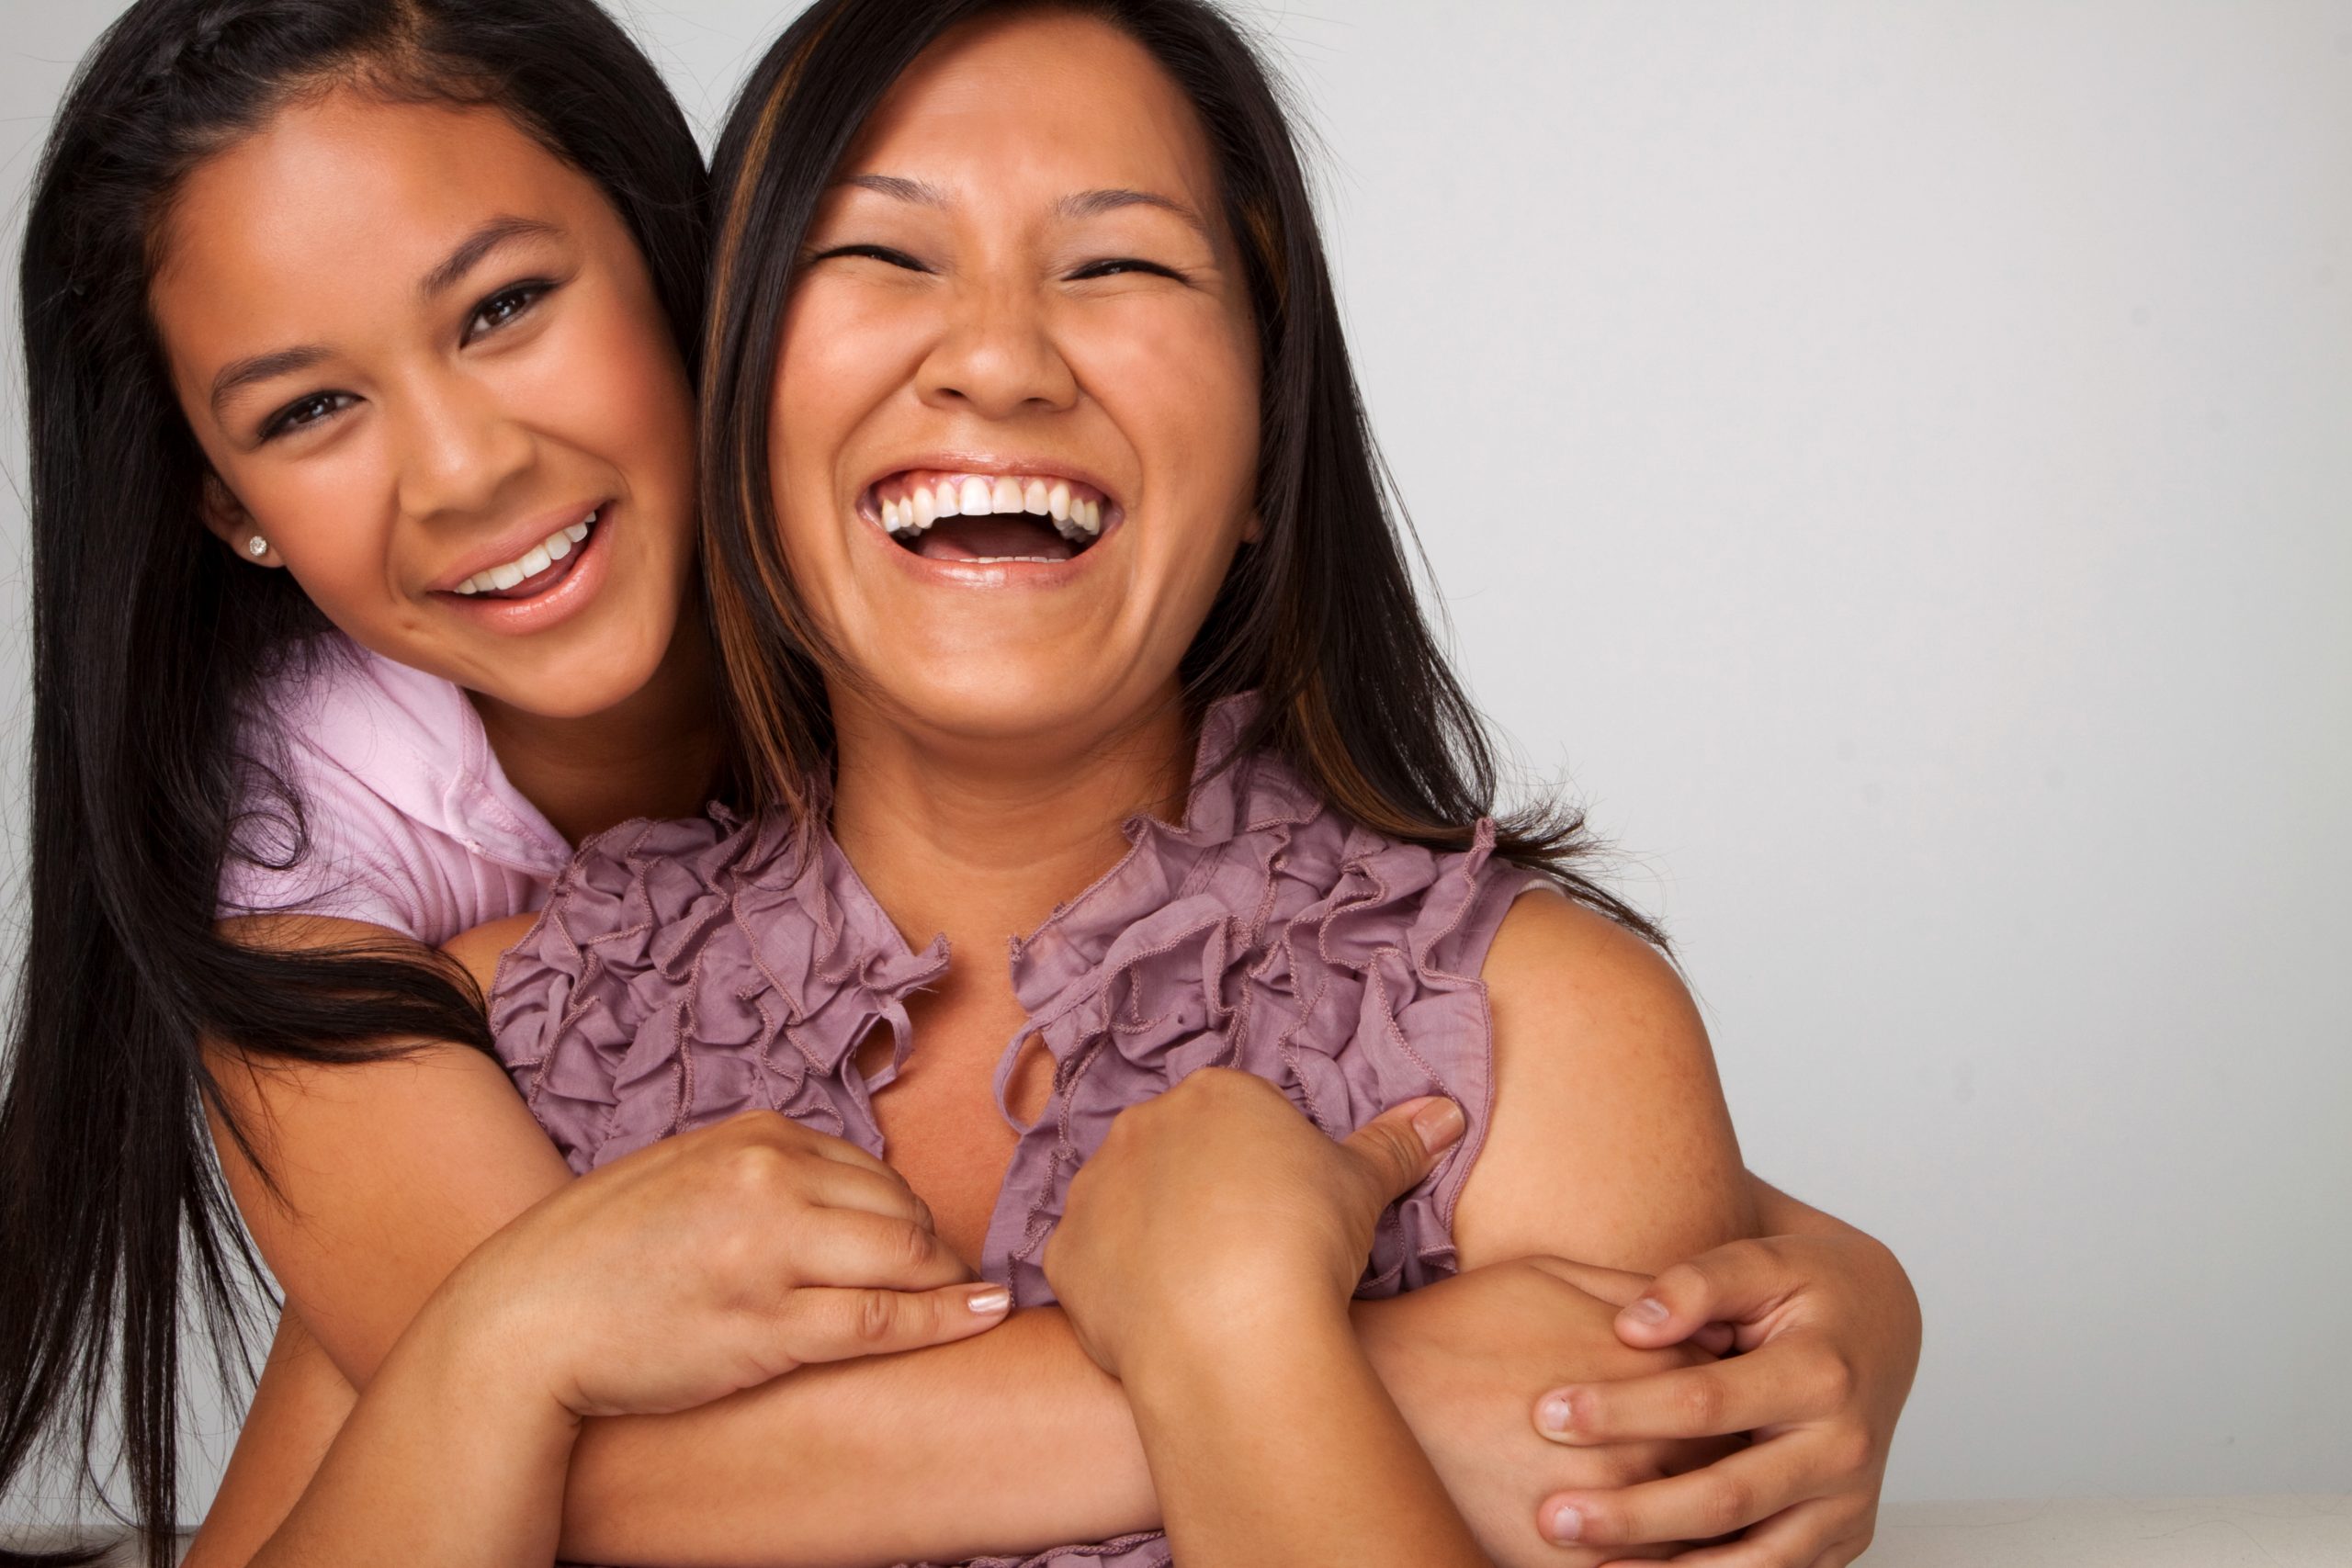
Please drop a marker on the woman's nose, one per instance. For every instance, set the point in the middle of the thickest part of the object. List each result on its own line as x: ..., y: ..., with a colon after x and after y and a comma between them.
x: 459, y: 452
x: 996, y: 357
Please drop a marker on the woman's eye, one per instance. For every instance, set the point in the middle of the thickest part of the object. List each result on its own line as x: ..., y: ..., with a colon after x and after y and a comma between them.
x: 503, y: 307
x: 305, y: 412
x: 883, y: 254
x: 1112, y: 267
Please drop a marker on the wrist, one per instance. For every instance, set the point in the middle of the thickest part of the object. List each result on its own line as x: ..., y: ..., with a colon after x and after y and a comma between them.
x: 1218, y: 1337
x: 477, y: 1341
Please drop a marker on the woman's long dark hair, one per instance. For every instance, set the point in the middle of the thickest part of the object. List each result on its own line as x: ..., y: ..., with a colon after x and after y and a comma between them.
x: 1319, y: 615
x: 148, y: 641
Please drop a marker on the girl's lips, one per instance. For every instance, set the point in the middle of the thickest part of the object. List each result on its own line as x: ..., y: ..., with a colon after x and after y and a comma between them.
x: 554, y: 596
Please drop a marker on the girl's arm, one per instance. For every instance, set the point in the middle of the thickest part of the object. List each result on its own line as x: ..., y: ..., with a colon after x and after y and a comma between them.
x: 662, y: 1282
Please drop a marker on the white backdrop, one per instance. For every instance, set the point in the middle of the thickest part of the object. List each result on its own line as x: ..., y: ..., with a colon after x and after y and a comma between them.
x: 1895, y: 460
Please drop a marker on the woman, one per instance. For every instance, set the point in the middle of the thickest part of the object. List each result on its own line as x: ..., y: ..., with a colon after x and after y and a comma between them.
x: 1032, y: 449
x: 106, y: 628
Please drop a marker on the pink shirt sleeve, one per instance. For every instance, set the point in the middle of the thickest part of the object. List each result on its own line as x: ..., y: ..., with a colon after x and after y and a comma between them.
x: 400, y: 816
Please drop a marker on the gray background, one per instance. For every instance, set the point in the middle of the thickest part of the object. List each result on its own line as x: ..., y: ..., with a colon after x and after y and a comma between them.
x: 1894, y: 461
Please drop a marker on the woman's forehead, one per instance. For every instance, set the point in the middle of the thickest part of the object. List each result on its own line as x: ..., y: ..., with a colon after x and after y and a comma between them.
x: 1039, y: 106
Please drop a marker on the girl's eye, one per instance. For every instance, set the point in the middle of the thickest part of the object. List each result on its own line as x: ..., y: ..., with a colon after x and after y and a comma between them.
x: 1113, y: 265
x: 883, y: 254
x: 305, y: 412
x: 503, y: 307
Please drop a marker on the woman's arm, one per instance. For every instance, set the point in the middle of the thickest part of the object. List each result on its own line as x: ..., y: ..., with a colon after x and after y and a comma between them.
x: 1609, y: 1141
x: 1206, y: 1254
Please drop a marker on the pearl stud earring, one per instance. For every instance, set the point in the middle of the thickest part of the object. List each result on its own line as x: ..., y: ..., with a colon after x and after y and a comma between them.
x: 257, y: 546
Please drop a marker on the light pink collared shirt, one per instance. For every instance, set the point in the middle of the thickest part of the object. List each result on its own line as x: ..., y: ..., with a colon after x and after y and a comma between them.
x: 412, y: 823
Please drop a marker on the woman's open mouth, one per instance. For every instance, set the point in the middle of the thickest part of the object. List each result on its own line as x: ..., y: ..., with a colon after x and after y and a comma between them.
x: 990, y: 519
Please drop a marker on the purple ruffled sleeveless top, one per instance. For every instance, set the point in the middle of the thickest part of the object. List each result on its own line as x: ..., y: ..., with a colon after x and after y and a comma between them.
x: 684, y: 971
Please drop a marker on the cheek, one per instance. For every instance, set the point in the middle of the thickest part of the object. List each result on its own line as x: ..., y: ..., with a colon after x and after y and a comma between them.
x: 620, y: 392
x: 1183, y: 381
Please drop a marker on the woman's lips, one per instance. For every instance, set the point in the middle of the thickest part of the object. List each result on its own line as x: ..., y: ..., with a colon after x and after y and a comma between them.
x: 1015, y: 516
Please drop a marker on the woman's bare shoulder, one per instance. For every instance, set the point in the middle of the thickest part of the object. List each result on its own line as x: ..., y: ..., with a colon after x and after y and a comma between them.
x: 480, y: 949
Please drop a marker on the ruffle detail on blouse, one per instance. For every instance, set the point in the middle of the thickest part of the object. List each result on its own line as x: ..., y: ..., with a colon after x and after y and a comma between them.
x: 1269, y: 934
x: 684, y: 971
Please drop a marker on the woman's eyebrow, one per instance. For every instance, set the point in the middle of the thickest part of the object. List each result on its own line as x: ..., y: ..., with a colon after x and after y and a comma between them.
x: 1078, y: 204
x: 1094, y: 203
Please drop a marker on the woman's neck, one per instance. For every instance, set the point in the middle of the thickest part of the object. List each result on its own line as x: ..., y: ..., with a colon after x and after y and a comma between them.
x: 656, y: 754
x: 982, y: 841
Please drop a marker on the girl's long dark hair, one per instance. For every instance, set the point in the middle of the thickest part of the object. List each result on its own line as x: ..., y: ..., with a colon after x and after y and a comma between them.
x: 148, y: 639
x: 1319, y: 615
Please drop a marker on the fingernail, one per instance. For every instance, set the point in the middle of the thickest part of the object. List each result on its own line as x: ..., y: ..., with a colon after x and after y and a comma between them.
x: 1649, y: 1309
x: 1553, y: 1416
x: 1568, y: 1525
x: 1438, y: 1124
x: 995, y: 1298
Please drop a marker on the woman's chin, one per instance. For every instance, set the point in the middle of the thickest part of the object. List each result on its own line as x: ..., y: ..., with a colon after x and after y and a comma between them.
x: 1029, y: 706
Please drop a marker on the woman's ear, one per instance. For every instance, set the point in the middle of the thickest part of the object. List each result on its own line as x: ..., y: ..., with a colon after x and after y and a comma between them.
x: 1253, y: 528
x: 228, y: 521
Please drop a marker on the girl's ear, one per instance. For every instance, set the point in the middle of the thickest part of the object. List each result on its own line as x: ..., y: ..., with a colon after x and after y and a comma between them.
x: 1253, y: 528
x: 227, y: 520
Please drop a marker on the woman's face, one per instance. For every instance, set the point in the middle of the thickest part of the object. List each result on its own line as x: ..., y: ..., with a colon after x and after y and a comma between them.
x: 1015, y: 434
x: 425, y: 360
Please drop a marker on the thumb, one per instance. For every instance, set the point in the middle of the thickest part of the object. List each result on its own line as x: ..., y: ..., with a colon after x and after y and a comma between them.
x: 1743, y: 1284
x: 836, y: 1324
x: 1399, y: 1147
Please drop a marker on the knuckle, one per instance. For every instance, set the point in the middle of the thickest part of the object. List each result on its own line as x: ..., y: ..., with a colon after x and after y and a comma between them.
x: 1837, y: 1383
x: 910, y: 1243
x: 1683, y: 1284
x: 755, y: 1171
x: 1850, y: 1451
x: 1700, y: 1403
x: 877, y: 1314
x: 1724, y: 1505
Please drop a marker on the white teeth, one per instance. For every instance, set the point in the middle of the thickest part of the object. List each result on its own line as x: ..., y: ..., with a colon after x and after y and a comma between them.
x: 530, y: 563
x: 1075, y: 517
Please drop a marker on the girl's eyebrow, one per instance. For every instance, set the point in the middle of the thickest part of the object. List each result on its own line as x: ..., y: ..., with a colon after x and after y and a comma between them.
x: 237, y: 375
x: 469, y: 254
x: 470, y: 250
x: 1078, y: 203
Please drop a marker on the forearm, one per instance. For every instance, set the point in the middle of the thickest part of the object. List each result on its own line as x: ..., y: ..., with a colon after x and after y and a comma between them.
x: 1284, y: 1448
x: 449, y: 1457
x: 1011, y: 1443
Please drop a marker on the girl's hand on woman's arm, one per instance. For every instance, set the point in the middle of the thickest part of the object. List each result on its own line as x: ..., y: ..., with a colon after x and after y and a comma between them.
x: 660, y: 1283
x: 1206, y: 1257
x: 1828, y: 1330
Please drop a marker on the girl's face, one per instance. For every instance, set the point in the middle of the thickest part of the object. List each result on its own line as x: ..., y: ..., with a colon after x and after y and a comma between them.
x: 426, y: 363
x: 1014, y: 429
